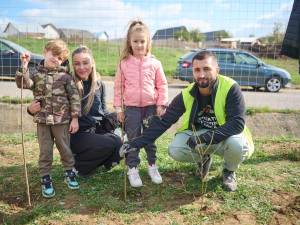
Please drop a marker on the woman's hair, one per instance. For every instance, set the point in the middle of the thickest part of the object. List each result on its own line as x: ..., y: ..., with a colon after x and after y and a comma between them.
x: 93, y: 77
x: 135, y: 26
x: 58, y: 48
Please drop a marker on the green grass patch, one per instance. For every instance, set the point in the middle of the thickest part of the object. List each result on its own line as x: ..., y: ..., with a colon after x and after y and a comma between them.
x: 255, y: 110
x: 107, y: 54
x: 291, y: 65
x: 15, y: 100
x: 268, y: 181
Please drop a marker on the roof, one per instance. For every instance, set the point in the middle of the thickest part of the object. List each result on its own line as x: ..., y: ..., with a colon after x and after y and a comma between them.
x: 213, y: 35
x: 69, y: 33
x: 100, y: 34
x: 27, y: 28
x: 240, y: 39
x: 167, y: 33
x: 51, y: 25
x: 217, y: 50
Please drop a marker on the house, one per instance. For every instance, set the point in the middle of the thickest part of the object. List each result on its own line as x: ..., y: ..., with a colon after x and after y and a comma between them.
x: 212, y: 36
x: 291, y: 41
x: 24, y: 30
x: 168, y: 33
x: 51, y: 32
x: 75, y: 34
x: 102, y: 36
x: 243, y: 42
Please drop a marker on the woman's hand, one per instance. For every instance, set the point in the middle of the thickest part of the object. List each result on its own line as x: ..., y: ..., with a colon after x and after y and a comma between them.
x: 74, y: 126
x: 34, y: 107
x: 160, y: 110
x: 121, y: 117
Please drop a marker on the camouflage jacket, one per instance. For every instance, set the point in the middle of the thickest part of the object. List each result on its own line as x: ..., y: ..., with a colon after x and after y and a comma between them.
x: 55, y: 90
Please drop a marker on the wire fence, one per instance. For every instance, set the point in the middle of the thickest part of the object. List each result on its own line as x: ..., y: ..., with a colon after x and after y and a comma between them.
x: 246, y: 37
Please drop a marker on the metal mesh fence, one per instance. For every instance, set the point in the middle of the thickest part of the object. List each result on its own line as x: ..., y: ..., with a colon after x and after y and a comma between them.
x: 246, y: 37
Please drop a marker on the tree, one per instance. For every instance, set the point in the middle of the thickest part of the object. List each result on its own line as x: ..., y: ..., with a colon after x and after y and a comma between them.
x: 182, y: 35
x: 278, y: 33
x: 276, y: 37
x: 196, y: 36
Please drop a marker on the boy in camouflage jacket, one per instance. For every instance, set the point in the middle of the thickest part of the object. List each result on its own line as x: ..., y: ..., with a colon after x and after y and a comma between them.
x: 54, y: 88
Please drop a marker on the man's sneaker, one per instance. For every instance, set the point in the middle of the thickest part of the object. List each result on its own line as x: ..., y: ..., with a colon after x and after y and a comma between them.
x: 154, y: 174
x: 204, y: 166
x: 71, y: 180
x: 47, y: 187
x: 229, y: 180
x: 134, y: 177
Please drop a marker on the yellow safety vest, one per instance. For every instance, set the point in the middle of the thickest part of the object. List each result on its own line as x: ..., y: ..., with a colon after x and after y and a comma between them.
x: 224, y: 85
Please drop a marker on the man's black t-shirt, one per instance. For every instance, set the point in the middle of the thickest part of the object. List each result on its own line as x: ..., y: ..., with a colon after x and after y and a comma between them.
x: 205, y: 115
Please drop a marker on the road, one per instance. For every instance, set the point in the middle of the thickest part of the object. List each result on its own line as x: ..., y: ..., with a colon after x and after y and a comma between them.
x: 285, y: 99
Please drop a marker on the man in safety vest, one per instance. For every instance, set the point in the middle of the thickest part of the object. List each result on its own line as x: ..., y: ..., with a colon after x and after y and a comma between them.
x: 213, y: 121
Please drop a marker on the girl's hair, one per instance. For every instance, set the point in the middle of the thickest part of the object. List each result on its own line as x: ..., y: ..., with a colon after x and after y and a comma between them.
x: 58, y: 48
x: 93, y: 77
x: 135, y: 26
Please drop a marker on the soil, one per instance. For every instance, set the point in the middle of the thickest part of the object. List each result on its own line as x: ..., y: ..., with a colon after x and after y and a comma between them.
x: 268, y: 125
x: 263, y: 125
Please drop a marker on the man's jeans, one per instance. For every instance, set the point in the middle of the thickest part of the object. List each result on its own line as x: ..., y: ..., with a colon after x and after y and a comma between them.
x: 234, y: 149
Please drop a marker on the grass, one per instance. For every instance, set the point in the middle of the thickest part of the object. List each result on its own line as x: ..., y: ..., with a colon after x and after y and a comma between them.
x: 268, y: 186
x: 15, y: 100
x: 255, y: 110
x: 291, y: 65
x: 106, y: 55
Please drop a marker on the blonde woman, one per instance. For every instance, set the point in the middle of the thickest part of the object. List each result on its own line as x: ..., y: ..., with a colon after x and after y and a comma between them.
x: 92, y: 145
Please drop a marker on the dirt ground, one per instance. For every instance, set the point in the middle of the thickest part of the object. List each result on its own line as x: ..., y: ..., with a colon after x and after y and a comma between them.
x: 274, y: 124
x: 263, y: 125
x: 268, y: 125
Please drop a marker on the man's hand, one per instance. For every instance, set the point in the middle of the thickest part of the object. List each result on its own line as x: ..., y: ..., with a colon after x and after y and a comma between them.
x: 74, y: 126
x: 160, y: 110
x: 25, y: 58
x: 125, y: 148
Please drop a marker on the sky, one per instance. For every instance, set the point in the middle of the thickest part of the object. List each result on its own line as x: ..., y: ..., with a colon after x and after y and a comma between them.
x: 240, y: 18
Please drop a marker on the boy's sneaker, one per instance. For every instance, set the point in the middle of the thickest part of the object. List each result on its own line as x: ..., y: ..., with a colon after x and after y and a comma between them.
x: 134, y: 177
x: 203, y: 166
x: 229, y: 180
x: 47, y: 187
x: 154, y: 174
x: 71, y: 180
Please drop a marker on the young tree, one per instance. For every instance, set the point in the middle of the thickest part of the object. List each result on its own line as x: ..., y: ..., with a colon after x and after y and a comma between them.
x: 182, y: 35
x: 196, y: 36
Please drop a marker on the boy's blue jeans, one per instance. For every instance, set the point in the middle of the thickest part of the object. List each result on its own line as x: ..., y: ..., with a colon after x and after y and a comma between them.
x: 234, y: 149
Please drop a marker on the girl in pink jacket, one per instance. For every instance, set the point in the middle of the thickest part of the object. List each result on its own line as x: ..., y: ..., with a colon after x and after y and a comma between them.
x: 140, y: 91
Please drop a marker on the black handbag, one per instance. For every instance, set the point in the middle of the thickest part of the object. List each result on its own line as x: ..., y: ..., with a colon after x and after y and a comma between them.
x: 107, y: 124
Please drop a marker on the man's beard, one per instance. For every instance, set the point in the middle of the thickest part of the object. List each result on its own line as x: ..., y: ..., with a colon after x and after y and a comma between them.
x: 203, y: 84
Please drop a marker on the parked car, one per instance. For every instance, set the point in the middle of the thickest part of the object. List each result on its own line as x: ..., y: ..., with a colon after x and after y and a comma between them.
x: 10, y: 58
x: 241, y: 66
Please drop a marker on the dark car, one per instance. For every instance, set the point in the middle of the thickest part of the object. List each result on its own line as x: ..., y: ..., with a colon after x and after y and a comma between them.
x: 243, y: 67
x: 10, y: 58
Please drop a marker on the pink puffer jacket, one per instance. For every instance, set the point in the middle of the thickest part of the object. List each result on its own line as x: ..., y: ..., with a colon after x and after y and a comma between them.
x: 142, y: 82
